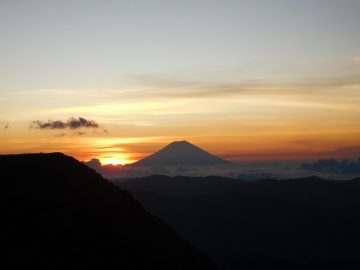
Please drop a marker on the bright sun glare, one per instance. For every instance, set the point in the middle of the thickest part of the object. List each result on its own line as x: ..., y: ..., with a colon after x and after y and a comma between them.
x: 116, y: 159
x: 113, y: 162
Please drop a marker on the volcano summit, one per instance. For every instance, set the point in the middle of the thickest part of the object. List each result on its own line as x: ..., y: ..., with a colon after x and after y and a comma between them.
x: 181, y: 153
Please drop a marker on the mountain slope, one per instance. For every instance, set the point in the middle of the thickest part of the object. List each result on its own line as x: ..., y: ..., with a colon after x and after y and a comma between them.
x: 57, y: 214
x: 307, y: 223
x: 180, y: 153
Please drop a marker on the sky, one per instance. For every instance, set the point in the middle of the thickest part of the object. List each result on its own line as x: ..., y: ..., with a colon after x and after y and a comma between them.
x: 117, y: 80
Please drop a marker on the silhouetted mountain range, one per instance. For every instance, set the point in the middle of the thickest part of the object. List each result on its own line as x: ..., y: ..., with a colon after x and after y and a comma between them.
x: 59, y: 214
x: 180, y: 153
x: 307, y: 223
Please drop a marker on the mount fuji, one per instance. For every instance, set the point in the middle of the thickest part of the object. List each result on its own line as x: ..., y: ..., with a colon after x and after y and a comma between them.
x: 181, y: 153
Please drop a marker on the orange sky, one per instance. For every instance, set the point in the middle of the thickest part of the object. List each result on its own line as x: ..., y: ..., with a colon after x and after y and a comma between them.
x: 245, y: 80
x: 255, y: 122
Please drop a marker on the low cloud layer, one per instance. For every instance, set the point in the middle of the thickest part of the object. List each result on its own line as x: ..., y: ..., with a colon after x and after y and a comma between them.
x: 71, y: 123
x: 333, y: 166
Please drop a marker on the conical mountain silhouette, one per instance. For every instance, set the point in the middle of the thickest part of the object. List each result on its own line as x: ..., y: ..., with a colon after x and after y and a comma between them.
x: 181, y: 153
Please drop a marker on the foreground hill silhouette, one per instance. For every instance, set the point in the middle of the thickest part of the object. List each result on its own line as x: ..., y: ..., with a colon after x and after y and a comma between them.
x: 307, y: 223
x: 59, y: 214
x: 180, y: 153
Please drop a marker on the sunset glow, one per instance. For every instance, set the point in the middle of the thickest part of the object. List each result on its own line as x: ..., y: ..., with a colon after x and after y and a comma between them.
x: 182, y: 134
x: 113, y: 161
x: 244, y: 89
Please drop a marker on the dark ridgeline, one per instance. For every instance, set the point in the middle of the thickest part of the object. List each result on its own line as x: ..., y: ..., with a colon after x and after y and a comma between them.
x: 307, y: 223
x: 59, y: 214
x: 180, y: 153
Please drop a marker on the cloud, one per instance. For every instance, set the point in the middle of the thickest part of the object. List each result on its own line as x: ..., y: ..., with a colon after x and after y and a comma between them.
x: 60, y: 135
x: 94, y: 164
x: 4, y: 125
x: 49, y: 124
x: 79, y: 133
x: 76, y: 133
x: 71, y: 123
x: 74, y: 123
x: 165, y: 87
x: 333, y: 166
x: 107, y: 170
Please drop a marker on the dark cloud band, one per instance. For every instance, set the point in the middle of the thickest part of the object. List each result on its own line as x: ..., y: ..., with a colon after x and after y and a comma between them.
x: 71, y: 123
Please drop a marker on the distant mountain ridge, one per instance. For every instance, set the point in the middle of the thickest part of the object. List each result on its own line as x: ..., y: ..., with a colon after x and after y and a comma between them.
x: 296, y: 224
x: 180, y: 153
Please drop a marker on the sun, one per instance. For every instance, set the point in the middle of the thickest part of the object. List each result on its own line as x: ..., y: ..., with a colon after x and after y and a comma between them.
x: 116, y: 159
x: 113, y: 162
